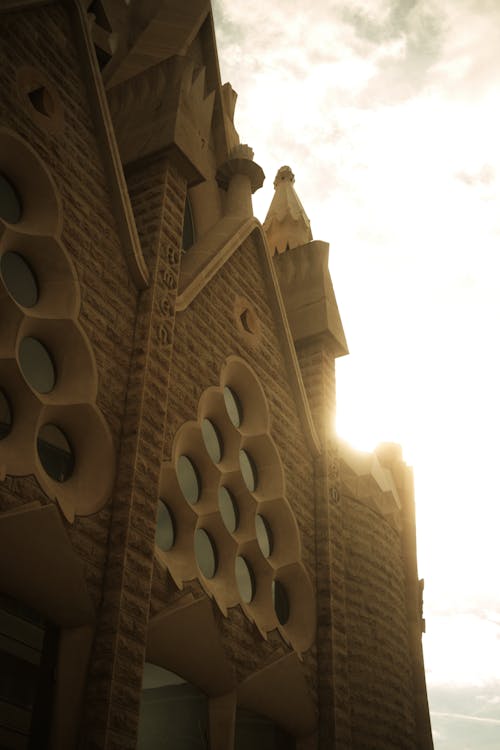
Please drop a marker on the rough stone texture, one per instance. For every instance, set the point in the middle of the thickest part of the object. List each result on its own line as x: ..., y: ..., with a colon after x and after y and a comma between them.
x: 206, y: 333
x: 42, y: 38
x: 377, y: 634
x: 120, y: 644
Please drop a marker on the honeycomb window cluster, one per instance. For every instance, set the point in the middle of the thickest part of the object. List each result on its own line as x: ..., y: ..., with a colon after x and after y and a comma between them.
x: 223, y: 517
x: 50, y: 425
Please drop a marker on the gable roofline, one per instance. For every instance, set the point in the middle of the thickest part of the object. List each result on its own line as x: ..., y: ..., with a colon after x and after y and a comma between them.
x: 120, y: 201
x: 228, y: 235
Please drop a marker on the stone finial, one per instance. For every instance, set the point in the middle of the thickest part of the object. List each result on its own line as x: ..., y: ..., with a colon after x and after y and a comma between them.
x: 286, y: 224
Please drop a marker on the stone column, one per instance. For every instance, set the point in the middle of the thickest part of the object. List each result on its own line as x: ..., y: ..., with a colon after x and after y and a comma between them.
x: 157, y: 194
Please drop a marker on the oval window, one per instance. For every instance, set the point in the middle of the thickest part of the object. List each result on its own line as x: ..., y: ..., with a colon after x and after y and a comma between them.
x: 212, y: 440
x: 5, y: 415
x: 281, y: 603
x: 55, y: 452
x: 248, y: 470
x: 11, y: 209
x: 165, y: 528
x: 19, y: 279
x: 264, y: 535
x: 188, y: 479
x: 228, y: 509
x: 245, y: 579
x: 36, y: 365
x: 233, y: 406
x: 205, y: 553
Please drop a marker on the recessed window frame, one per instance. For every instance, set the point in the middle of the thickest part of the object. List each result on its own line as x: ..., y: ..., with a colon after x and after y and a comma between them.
x: 31, y: 370
x: 5, y: 403
x: 29, y: 279
x: 45, y: 458
x: 9, y: 193
x: 191, y: 497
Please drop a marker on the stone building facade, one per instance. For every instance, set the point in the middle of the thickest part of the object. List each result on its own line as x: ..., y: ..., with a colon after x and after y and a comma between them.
x: 189, y: 558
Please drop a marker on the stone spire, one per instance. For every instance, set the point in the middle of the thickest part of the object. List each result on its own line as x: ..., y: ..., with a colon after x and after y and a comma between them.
x: 286, y: 224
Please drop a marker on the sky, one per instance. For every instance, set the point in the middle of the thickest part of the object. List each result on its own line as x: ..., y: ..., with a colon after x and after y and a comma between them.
x: 388, y: 113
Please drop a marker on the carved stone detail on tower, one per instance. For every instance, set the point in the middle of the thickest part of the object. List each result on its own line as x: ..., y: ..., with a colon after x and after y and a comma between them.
x: 286, y: 224
x: 165, y: 109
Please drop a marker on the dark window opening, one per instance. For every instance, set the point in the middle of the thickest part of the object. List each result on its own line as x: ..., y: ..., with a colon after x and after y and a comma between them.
x: 188, y: 236
x: 28, y: 654
x: 42, y: 101
x: 11, y: 207
x: 5, y: 415
x: 55, y: 452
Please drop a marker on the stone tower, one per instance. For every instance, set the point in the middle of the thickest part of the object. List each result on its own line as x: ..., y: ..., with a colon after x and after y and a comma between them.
x: 188, y: 558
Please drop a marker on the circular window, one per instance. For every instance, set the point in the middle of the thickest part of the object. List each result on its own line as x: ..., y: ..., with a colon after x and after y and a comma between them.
x: 281, y: 603
x: 19, y: 279
x: 248, y: 470
x: 228, y: 509
x: 5, y: 415
x: 188, y: 479
x: 264, y: 535
x: 55, y: 452
x: 165, y: 528
x: 205, y: 553
x: 36, y: 365
x: 11, y: 208
x: 244, y: 579
x: 233, y: 406
x: 212, y: 440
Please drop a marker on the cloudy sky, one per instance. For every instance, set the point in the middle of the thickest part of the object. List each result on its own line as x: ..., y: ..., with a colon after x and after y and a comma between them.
x: 388, y: 112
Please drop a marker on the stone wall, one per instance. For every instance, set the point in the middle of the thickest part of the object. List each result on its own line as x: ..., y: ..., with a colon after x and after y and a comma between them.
x: 205, y: 335
x: 380, y: 674
x: 43, y: 39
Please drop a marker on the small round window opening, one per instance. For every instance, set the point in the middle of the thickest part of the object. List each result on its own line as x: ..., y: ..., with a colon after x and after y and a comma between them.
x: 233, y: 406
x: 228, y: 509
x: 36, y: 365
x: 11, y: 207
x: 245, y: 579
x: 281, y: 603
x: 5, y: 415
x: 165, y: 528
x: 212, y: 440
x: 248, y: 471
x: 247, y: 320
x: 205, y: 553
x: 188, y: 478
x: 55, y: 452
x: 19, y: 279
x: 42, y: 100
x: 264, y: 535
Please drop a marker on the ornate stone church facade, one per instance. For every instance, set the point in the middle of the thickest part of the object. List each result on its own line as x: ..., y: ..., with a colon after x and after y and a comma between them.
x: 189, y: 557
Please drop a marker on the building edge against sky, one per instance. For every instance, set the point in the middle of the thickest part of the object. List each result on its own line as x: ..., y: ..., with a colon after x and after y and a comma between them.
x: 188, y: 556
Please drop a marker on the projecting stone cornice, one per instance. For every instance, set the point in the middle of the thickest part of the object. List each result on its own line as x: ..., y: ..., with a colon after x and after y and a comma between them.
x: 372, y: 480
x: 308, y: 293
x: 165, y: 110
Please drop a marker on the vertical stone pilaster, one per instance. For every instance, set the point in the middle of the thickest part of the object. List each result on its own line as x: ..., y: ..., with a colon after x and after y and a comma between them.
x: 114, y: 689
x: 317, y: 361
